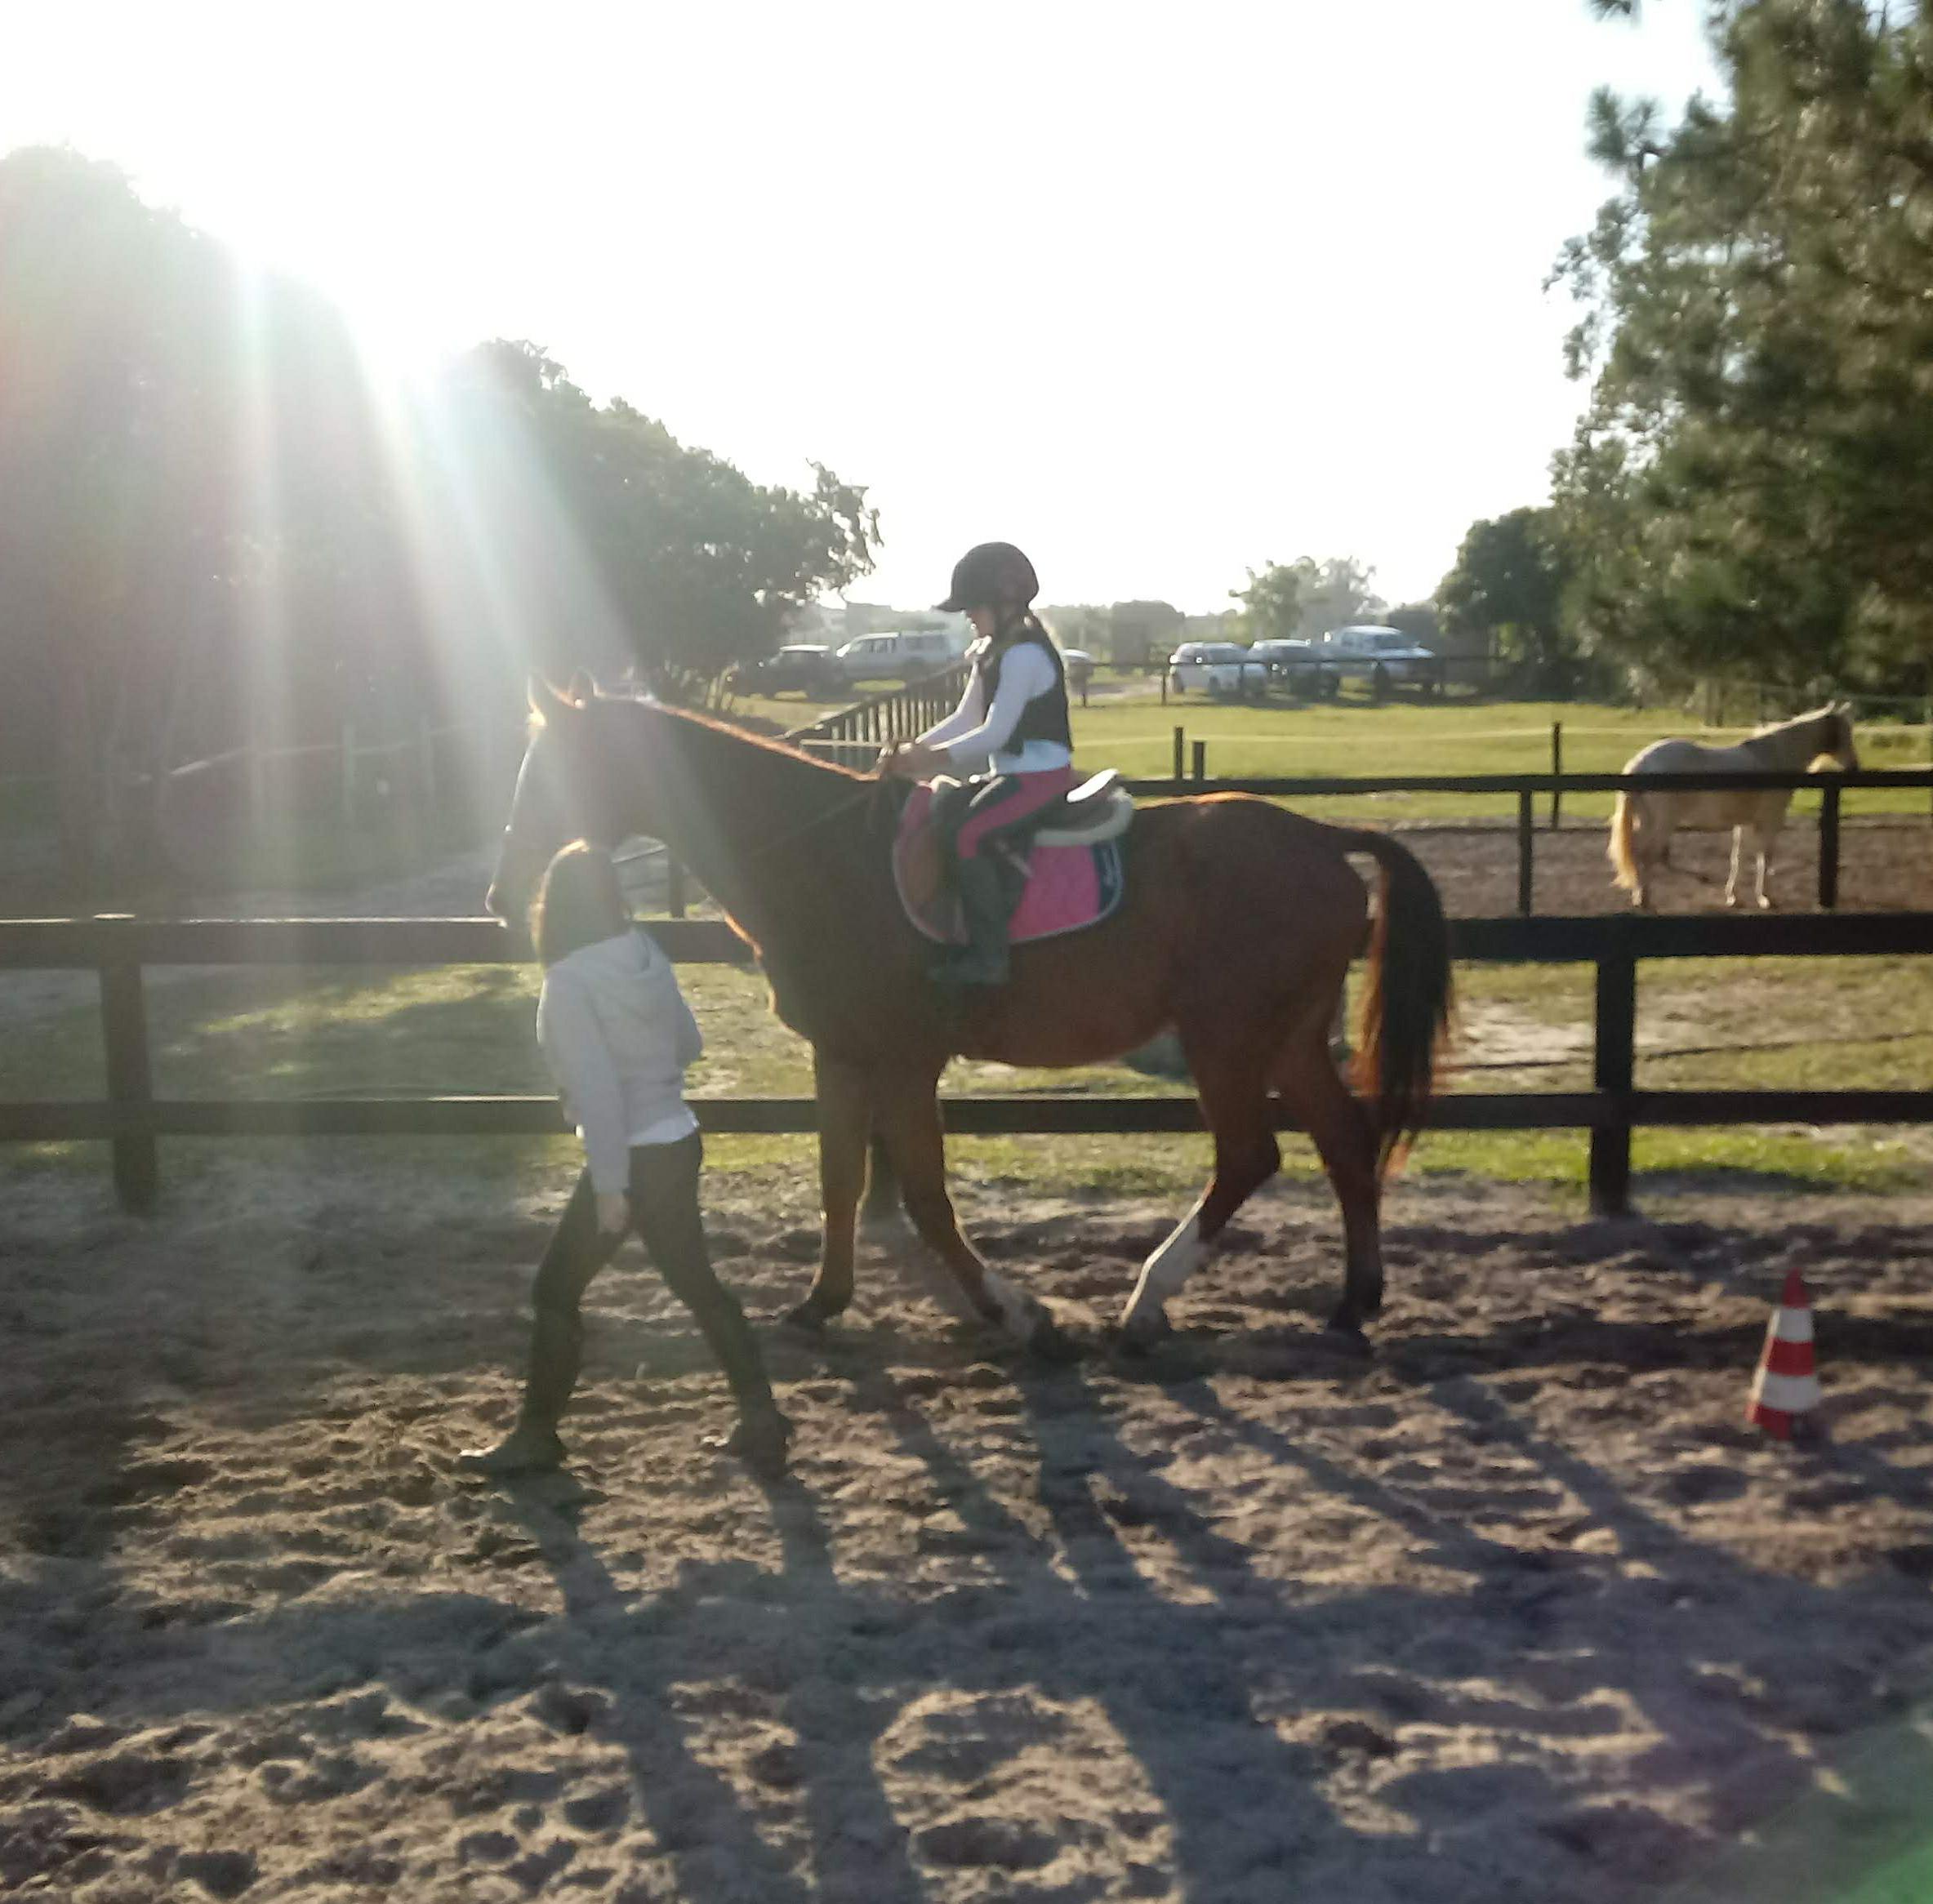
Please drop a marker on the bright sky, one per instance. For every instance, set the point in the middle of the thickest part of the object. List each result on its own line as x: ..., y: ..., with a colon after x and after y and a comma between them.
x: 1156, y: 291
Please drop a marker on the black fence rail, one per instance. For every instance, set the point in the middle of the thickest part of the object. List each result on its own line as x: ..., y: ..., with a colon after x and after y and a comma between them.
x: 1526, y: 788
x: 131, y: 1118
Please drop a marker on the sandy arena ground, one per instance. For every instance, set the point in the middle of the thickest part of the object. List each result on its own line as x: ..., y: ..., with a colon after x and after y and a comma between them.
x: 1518, y: 1609
x: 1885, y: 865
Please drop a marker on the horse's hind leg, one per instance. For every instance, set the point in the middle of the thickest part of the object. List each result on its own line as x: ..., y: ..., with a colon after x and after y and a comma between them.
x: 1315, y: 1095
x: 1234, y: 1095
x: 844, y: 1112
x: 908, y: 1115
x: 1764, y: 839
x: 1738, y: 860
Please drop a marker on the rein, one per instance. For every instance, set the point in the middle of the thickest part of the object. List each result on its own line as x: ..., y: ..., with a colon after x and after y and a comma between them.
x: 873, y: 790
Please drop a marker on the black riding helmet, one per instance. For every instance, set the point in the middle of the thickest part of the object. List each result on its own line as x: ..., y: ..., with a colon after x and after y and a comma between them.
x: 993, y: 575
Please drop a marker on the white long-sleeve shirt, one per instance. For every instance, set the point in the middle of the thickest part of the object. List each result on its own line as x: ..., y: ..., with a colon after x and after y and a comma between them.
x: 974, y: 733
x: 617, y: 1035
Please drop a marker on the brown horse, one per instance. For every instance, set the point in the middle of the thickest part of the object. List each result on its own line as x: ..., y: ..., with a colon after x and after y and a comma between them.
x: 1238, y: 928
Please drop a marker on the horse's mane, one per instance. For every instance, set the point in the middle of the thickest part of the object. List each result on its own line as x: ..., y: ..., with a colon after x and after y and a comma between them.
x: 726, y: 730
x: 1799, y: 720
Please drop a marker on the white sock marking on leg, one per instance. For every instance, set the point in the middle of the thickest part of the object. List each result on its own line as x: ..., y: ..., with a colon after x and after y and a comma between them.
x: 1015, y: 1311
x: 1170, y: 1266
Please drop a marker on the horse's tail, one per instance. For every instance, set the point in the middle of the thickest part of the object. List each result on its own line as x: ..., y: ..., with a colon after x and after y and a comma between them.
x: 1407, y: 1002
x: 1625, y: 820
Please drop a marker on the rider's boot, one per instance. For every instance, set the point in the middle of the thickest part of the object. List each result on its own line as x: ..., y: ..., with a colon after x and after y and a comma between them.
x: 533, y: 1446
x: 986, y: 899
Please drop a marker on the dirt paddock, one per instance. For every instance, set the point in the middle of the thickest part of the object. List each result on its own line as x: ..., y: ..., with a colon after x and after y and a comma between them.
x: 1885, y: 865
x: 1517, y: 1609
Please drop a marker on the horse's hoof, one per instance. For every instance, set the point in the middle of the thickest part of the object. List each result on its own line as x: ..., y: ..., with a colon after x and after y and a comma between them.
x: 1050, y: 1342
x: 525, y: 1450
x: 761, y: 1441
x: 1345, y: 1334
x: 808, y: 1318
x: 1141, y: 1333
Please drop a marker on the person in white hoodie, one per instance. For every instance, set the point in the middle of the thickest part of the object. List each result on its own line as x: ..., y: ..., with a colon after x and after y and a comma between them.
x: 617, y: 1035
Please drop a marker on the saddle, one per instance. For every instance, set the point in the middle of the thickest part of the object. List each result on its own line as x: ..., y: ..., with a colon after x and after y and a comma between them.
x: 1073, y: 859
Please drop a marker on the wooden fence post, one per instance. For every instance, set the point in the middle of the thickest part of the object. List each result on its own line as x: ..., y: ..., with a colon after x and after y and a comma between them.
x: 130, y: 1081
x: 1201, y: 762
x: 674, y: 884
x: 1556, y: 768
x: 1828, y: 846
x: 1525, y: 818
x: 1181, y: 748
x: 1612, y: 1066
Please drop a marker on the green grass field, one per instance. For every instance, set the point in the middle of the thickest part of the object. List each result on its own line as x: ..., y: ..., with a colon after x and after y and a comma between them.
x: 279, y: 1033
x: 1131, y: 730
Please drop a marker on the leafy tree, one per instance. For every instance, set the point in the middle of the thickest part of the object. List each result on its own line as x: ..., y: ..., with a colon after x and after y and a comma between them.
x: 210, y: 536
x: 1271, y: 603
x: 1419, y: 620
x: 1305, y: 598
x: 1748, y: 487
x: 1508, y: 585
x: 693, y: 566
x: 1335, y: 593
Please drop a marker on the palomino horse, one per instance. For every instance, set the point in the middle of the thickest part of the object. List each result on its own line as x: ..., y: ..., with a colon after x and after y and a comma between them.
x: 1643, y: 824
x: 1238, y: 927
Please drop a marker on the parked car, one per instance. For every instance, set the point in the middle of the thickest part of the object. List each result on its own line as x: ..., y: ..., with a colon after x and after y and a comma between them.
x: 1297, y: 666
x: 1079, y: 665
x: 909, y: 655
x: 1386, y: 658
x: 1222, y: 668
x: 804, y: 668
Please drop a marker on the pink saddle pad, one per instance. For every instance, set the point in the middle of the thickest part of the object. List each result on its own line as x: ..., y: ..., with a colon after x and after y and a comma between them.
x: 1067, y: 887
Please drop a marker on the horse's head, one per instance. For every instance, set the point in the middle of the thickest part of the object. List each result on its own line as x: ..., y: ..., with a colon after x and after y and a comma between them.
x: 1832, y: 739
x: 567, y: 790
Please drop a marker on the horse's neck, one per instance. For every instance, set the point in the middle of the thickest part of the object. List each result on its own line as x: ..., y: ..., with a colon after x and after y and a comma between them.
x: 1793, y: 743
x: 737, y: 806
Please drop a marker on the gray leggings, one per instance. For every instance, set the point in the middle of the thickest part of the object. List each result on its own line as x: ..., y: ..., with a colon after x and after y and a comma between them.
x: 663, y: 1199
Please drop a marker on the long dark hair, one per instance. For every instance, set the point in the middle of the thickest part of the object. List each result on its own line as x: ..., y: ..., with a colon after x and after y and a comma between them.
x: 1019, y: 623
x: 579, y: 903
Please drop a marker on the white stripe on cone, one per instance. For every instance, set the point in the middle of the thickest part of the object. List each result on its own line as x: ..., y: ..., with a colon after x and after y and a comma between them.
x: 1791, y: 1394
x: 1793, y: 1325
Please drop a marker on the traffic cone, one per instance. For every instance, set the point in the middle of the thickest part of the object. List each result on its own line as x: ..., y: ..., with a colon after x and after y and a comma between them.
x: 1786, y: 1388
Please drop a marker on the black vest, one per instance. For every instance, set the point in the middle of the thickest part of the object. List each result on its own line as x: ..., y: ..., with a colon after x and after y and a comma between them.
x: 1044, y: 717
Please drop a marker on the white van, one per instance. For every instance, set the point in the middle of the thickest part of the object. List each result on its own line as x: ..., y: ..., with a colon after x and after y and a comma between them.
x: 909, y: 655
x: 1223, y: 668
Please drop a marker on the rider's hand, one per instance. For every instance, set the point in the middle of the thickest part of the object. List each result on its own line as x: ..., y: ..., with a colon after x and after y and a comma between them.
x: 884, y: 767
x: 916, y: 761
x: 613, y: 1213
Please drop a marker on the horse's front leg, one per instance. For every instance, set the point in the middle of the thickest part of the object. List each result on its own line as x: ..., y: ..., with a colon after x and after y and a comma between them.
x: 844, y: 1112
x: 1764, y: 840
x: 906, y: 1114
x: 1738, y: 860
